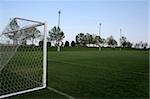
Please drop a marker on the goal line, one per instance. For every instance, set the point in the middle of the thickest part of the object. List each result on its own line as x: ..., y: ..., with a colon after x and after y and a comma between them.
x: 61, y: 93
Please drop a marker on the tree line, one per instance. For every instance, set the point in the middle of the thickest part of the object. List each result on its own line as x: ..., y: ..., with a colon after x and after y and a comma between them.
x: 86, y: 39
x: 56, y: 35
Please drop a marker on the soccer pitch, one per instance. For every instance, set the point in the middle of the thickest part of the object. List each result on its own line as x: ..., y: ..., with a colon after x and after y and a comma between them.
x: 93, y: 74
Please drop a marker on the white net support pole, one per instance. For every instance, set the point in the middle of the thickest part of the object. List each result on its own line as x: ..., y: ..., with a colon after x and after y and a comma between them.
x: 45, y: 55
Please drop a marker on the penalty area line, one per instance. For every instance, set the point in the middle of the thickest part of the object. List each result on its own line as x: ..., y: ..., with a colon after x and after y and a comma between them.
x: 61, y: 93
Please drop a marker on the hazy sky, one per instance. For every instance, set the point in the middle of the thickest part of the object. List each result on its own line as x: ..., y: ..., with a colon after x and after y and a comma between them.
x: 84, y: 16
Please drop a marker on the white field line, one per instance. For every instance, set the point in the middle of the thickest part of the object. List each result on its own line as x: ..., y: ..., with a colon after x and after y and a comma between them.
x: 61, y: 93
x: 86, y: 65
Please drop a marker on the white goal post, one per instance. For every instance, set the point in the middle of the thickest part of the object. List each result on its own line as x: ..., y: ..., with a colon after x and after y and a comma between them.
x: 23, y: 63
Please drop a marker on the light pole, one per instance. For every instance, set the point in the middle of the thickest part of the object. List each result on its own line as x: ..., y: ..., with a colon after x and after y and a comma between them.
x: 120, y: 38
x: 59, y: 12
x: 99, y: 35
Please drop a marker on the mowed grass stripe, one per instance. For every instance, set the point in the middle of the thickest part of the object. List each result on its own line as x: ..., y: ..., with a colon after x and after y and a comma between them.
x: 98, y: 81
x: 95, y: 67
x: 128, y: 61
x: 85, y: 84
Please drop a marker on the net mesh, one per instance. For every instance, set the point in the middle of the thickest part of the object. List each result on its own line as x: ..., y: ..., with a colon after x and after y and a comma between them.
x: 21, y: 59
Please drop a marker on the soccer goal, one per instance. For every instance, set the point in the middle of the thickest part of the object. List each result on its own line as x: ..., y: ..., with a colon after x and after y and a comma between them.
x: 22, y: 57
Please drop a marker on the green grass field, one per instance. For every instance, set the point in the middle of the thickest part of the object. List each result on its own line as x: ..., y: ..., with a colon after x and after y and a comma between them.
x: 93, y: 74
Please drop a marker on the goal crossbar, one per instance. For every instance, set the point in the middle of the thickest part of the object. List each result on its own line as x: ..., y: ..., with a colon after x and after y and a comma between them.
x: 24, y: 28
x: 28, y: 20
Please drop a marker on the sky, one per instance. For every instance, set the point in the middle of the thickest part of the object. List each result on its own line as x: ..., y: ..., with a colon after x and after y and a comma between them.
x: 84, y: 16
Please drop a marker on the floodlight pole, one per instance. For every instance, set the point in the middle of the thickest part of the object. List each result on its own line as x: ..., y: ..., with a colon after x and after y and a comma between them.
x: 120, y: 39
x: 59, y: 12
x: 100, y: 35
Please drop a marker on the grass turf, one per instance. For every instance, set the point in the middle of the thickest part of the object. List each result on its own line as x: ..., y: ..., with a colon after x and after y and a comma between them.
x: 93, y: 74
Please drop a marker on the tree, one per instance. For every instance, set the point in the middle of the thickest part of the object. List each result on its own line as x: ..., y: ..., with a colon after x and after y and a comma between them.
x: 123, y: 41
x: 73, y: 43
x: 129, y: 44
x: 111, y: 41
x: 94, y: 40
x: 83, y: 40
x: 56, y: 35
x: 48, y: 44
x: 32, y: 34
x: 98, y: 40
x: 103, y: 41
x: 62, y: 44
x: 77, y: 39
x: 41, y: 43
x: 137, y: 46
x: 90, y: 38
x: 13, y: 25
x: 87, y: 39
x: 66, y: 43
x: 143, y: 45
x: 80, y: 39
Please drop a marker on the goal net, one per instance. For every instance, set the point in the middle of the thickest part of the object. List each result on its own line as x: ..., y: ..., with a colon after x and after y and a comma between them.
x: 22, y: 59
